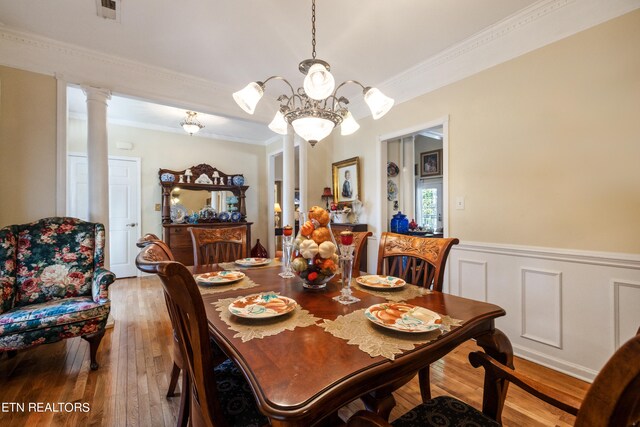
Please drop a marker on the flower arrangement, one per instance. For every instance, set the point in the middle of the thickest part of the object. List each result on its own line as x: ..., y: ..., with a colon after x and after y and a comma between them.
x: 317, y: 259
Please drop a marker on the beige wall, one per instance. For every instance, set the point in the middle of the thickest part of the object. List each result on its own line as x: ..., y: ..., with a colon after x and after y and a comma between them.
x: 27, y: 146
x: 177, y: 152
x: 545, y: 148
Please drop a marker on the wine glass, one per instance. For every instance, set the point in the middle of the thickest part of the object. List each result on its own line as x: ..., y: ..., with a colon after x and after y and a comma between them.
x: 346, y: 259
x: 287, y: 246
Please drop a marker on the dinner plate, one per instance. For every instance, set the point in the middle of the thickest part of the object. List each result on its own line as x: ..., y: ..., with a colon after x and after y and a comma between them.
x: 262, y: 306
x: 380, y: 282
x: 253, y: 262
x: 219, y: 277
x: 403, y: 317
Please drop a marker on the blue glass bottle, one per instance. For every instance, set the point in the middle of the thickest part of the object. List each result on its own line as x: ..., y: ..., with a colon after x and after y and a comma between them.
x: 399, y: 223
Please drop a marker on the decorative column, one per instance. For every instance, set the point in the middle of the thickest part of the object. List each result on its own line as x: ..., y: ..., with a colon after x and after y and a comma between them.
x: 288, y: 178
x: 303, y: 176
x: 98, y: 158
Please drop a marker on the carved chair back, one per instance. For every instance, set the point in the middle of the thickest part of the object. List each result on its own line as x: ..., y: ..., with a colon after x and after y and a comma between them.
x: 359, y: 243
x: 189, y: 322
x: 215, y: 245
x: 417, y: 260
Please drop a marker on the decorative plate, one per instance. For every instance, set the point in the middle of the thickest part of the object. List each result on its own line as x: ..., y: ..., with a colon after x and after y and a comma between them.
x: 262, y: 306
x: 224, y: 216
x: 392, y: 169
x: 219, y: 277
x: 253, y: 262
x: 380, y: 282
x: 238, y: 180
x: 236, y: 216
x: 167, y: 177
x: 403, y: 317
x: 392, y: 190
x: 178, y: 213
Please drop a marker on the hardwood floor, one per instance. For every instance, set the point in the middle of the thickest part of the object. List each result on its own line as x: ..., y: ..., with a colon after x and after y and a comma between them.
x: 129, y: 387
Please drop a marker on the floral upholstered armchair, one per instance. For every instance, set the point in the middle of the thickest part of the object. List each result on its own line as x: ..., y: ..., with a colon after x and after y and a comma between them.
x: 53, y: 284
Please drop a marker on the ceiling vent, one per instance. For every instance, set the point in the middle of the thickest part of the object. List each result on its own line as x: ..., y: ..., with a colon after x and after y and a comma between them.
x: 109, y: 9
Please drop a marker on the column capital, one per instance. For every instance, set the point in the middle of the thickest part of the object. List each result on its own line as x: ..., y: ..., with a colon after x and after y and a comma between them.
x: 96, y: 93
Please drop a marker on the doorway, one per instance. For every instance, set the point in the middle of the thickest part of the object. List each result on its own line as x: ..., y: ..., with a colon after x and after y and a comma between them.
x: 124, y: 207
x: 400, y: 155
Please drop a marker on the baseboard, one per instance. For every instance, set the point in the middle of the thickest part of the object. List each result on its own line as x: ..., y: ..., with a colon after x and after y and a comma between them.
x: 569, y: 368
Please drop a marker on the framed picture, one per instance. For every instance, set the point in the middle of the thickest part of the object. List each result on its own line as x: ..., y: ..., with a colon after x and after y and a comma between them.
x: 346, y: 180
x: 431, y: 163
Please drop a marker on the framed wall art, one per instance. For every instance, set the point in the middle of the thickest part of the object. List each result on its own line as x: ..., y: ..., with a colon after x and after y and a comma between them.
x: 346, y: 180
x: 431, y: 163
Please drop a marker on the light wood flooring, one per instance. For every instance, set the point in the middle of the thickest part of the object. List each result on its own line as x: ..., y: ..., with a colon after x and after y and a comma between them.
x: 129, y: 387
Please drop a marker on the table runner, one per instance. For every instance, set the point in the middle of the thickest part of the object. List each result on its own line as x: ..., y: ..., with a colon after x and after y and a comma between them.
x: 248, y: 329
x: 376, y: 341
x: 404, y: 294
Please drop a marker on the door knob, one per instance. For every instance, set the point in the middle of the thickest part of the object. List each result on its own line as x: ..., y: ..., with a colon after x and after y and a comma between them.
x: 133, y: 224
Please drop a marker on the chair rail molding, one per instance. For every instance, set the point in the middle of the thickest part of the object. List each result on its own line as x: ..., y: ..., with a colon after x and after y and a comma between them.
x: 566, y: 309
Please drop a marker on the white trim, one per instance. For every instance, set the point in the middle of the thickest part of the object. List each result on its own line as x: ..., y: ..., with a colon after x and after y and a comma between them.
x: 485, y: 285
x: 617, y: 284
x: 523, y: 306
x: 560, y: 365
x: 607, y: 259
x: 61, y: 146
x: 381, y: 155
x: 171, y: 129
x: 540, y: 24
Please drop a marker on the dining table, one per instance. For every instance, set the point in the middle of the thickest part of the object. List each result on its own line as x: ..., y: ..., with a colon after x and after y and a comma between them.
x: 301, y: 376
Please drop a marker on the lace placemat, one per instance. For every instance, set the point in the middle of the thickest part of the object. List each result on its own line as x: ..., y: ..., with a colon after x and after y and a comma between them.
x: 404, y: 294
x: 248, y: 329
x: 376, y: 341
x: 232, y: 266
x: 245, y: 283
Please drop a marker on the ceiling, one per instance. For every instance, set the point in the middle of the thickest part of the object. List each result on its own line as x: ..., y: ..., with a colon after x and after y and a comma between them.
x: 234, y: 42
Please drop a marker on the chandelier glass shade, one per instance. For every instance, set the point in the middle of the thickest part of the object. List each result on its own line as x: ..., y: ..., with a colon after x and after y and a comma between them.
x: 314, y: 109
x: 191, y: 124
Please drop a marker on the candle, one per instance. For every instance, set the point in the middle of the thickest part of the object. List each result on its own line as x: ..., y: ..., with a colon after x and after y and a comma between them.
x: 346, y: 238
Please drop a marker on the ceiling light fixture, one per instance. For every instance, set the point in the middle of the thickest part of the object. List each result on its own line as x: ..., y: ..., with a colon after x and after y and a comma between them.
x: 313, y: 110
x: 191, y: 124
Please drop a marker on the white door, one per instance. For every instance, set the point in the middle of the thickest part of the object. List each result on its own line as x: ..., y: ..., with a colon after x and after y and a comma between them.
x: 124, y: 210
x: 429, y: 197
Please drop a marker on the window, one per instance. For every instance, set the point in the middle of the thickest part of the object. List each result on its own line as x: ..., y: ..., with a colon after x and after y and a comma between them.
x: 429, y: 203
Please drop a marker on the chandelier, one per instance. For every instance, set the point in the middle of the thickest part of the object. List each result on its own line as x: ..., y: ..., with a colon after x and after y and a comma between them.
x: 191, y: 124
x: 315, y: 109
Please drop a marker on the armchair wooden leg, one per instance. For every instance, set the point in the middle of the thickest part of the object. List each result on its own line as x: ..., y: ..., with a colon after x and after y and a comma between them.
x: 424, y: 379
x: 497, y: 345
x: 94, y: 343
x: 175, y: 373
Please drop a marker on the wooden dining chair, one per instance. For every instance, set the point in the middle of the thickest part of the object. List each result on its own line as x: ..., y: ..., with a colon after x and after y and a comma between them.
x: 417, y: 260
x: 217, y: 395
x: 163, y: 253
x: 420, y: 261
x: 612, y: 400
x: 359, y: 243
x: 216, y: 245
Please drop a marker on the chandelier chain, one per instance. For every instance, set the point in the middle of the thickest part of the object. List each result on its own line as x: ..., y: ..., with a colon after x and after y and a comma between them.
x: 313, y: 28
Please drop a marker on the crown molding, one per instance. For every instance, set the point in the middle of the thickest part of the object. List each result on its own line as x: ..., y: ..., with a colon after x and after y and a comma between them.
x: 538, y: 25
x: 85, y: 67
x: 148, y: 126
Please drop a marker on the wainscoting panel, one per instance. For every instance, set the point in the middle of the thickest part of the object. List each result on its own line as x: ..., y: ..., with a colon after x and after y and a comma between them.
x: 566, y: 309
x: 472, y: 279
x: 626, y: 309
x: 542, y: 306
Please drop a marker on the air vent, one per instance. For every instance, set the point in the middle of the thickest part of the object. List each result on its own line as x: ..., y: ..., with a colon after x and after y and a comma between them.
x: 109, y: 9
